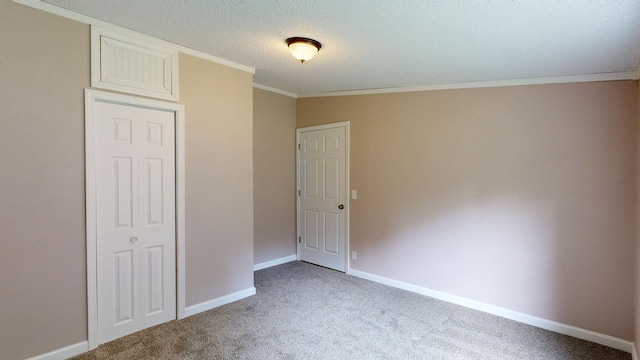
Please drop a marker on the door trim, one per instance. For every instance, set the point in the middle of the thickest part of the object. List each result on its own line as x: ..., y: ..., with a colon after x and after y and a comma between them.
x: 299, y: 131
x: 91, y: 97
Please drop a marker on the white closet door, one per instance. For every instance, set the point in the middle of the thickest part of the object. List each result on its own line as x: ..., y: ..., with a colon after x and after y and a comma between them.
x: 136, y: 232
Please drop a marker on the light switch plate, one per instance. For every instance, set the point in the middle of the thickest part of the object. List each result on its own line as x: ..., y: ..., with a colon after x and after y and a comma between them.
x: 354, y: 194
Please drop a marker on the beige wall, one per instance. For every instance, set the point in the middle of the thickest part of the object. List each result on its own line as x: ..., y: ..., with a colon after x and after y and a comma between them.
x: 637, y: 217
x: 219, y: 178
x: 44, y: 66
x: 517, y: 197
x: 274, y: 207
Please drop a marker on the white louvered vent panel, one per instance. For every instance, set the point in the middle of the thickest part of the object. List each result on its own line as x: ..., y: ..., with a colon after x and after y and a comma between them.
x: 132, y: 66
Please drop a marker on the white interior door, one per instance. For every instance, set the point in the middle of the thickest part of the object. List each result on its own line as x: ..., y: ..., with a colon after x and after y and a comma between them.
x: 136, y: 231
x: 322, y: 181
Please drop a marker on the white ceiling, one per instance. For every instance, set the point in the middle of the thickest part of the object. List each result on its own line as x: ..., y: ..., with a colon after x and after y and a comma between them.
x: 373, y: 44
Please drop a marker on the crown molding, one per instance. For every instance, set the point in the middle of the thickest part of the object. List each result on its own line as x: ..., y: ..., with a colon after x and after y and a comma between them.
x: 631, y: 75
x: 52, y: 9
x: 274, y: 90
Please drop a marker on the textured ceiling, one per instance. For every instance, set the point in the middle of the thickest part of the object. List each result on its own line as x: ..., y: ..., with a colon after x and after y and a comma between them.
x: 369, y: 44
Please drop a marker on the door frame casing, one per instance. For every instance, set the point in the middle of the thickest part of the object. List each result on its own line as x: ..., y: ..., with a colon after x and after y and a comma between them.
x: 92, y: 96
x: 299, y: 131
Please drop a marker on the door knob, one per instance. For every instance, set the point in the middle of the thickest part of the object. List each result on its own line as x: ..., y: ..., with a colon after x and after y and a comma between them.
x: 133, y: 239
x: 341, y: 206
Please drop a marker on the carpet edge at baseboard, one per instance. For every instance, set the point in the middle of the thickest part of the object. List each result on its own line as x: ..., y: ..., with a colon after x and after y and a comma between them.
x: 223, y: 300
x: 275, y: 262
x: 584, y: 334
x: 82, y: 347
x: 65, y: 352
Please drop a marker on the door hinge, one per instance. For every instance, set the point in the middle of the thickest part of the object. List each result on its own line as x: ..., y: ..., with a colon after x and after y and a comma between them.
x: 298, y: 192
x: 298, y: 146
x: 299, y: 239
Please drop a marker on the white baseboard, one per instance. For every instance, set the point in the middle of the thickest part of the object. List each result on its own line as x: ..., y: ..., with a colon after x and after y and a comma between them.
x: 268, y: 264
x: 634, y: 353
x: 65, y: 352
x: 569, y: 330
x: 208, y: 305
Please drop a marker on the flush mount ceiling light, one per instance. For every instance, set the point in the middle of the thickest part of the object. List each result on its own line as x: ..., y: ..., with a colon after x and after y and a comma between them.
x: 303, y: 48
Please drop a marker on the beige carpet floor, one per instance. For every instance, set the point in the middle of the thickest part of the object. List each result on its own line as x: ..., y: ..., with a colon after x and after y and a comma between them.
x: 302, y: 311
